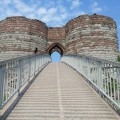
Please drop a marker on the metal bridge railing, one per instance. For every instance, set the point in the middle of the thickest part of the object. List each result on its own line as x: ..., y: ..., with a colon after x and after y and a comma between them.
x: 103, y: 75
x: 14, y: 73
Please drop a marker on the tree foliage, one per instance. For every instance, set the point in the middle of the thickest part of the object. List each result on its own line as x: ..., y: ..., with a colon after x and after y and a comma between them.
x: 118, y: 58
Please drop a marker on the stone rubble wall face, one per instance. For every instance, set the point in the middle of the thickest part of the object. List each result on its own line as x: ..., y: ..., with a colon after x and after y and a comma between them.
x: 22, y: 35
x: 56, y: 35
x: 93, y: 35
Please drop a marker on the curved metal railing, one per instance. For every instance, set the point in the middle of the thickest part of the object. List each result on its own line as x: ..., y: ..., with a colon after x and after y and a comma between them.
x: 14, y: 73
x: 103, y: 75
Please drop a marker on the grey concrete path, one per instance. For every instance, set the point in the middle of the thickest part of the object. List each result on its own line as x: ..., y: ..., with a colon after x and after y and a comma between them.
x: 59, y: 93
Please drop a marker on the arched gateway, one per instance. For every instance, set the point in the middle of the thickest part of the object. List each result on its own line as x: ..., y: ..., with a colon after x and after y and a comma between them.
x: 94, y: 35
x: 56, y: 47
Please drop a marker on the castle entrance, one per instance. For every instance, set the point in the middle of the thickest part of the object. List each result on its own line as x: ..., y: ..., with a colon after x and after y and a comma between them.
x: 56, y: 50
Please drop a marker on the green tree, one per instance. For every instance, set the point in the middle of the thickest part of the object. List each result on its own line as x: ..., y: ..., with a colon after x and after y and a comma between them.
x: 118, y: 58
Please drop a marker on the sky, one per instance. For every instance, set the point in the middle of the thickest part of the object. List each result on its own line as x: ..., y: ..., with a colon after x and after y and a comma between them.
x: 55, y: 57
x: 59, y: 12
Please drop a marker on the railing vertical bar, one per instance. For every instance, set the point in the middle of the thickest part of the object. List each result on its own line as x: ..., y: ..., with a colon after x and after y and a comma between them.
x: 114, y: 82
x: 108, y: 90
x: 1, y: 85
x: 4, y: 85
x: 88, y: 68
x: 110, y: 81
x: 19, y: 75
x: 7, y: 72
x: 16, y: 72
x: 29, y: 67
x: 102, y: 78
x: 99, y: 74
x: 118, y: 84
x: 96, y: 71
x: 105, y: 78
x: 105, y: 75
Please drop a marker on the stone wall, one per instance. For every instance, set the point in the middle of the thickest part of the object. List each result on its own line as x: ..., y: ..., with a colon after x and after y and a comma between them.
x: 22, y: 36
x: 56, y: 35
x: 94, y: 35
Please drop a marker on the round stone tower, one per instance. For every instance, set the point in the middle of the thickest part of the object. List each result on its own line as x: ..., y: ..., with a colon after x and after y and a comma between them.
x: 94, y: 35
x: 22, y: 36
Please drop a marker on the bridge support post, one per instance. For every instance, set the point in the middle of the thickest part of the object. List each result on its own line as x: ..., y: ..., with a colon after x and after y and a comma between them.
x: 1, y: 86
x: 29, y: 69
x: 19, y: 75
x: 87, y: 67
x: 99, y: 74
x: 34, y: 66
x: 81, y: 65
x: 118, y: 84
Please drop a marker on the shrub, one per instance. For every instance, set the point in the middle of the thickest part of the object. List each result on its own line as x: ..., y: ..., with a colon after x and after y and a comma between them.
x: 118, y: 58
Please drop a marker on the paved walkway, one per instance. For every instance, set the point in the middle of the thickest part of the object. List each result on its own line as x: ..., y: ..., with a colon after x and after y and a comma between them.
x: 59, y: 93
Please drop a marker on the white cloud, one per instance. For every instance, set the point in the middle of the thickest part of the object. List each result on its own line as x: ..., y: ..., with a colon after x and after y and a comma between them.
x: 49, y: 3
x: 6, y: 2
x: 46, y: 19
x: 11, y: 12
x: 23, y: 7
x: 75, y: 3
x: 64, y: 16
x: 48, y: 15
x: 82, y: 13
x: 118, y: 26
x: 52, y: 20
x: 32, y: 16
x: 52, y: 11
x: 62, y: 9
x: 78, y: 13
x: 96, y: 8
x: 42, y: 10
x: 95, y: 4
x: 57, y: 19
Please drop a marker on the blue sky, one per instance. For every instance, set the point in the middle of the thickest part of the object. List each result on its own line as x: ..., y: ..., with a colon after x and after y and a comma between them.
x: 58, y: 12
x: 55, y: 57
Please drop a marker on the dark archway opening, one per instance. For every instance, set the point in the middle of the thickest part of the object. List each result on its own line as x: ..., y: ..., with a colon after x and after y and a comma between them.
x: 56, y: 50
x: 56, y: 47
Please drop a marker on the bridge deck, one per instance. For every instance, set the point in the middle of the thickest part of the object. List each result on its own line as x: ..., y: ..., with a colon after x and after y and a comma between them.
x: 59, y: 93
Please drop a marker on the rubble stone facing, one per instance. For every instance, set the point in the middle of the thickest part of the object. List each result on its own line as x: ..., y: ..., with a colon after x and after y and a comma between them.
x: 56, y: 35
x: 94, y: 35
x: 24, y: 25
x: 22, y: 36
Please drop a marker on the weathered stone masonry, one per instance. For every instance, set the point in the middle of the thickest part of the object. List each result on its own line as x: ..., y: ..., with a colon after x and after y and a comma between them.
x: 20, y: 36
x: 94, y: 35
x: 56, y: 35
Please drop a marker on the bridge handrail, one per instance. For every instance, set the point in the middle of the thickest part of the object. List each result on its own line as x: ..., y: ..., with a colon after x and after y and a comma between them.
x: 103, y: 75
x: 94, y: 58
x: 14, y: 73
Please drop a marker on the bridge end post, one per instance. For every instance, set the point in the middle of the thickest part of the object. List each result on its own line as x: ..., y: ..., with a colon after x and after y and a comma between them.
x: 1, y: 87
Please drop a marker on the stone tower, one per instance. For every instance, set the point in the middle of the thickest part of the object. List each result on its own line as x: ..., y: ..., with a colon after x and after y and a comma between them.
x: 93, y: 35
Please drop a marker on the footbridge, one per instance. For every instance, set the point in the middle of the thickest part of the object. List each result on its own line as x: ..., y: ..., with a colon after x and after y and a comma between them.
x: 78, y: 88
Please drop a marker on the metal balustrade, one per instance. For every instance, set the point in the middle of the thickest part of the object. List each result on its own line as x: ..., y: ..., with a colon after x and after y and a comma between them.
x: 14, y: 73
x: 103, y: 75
